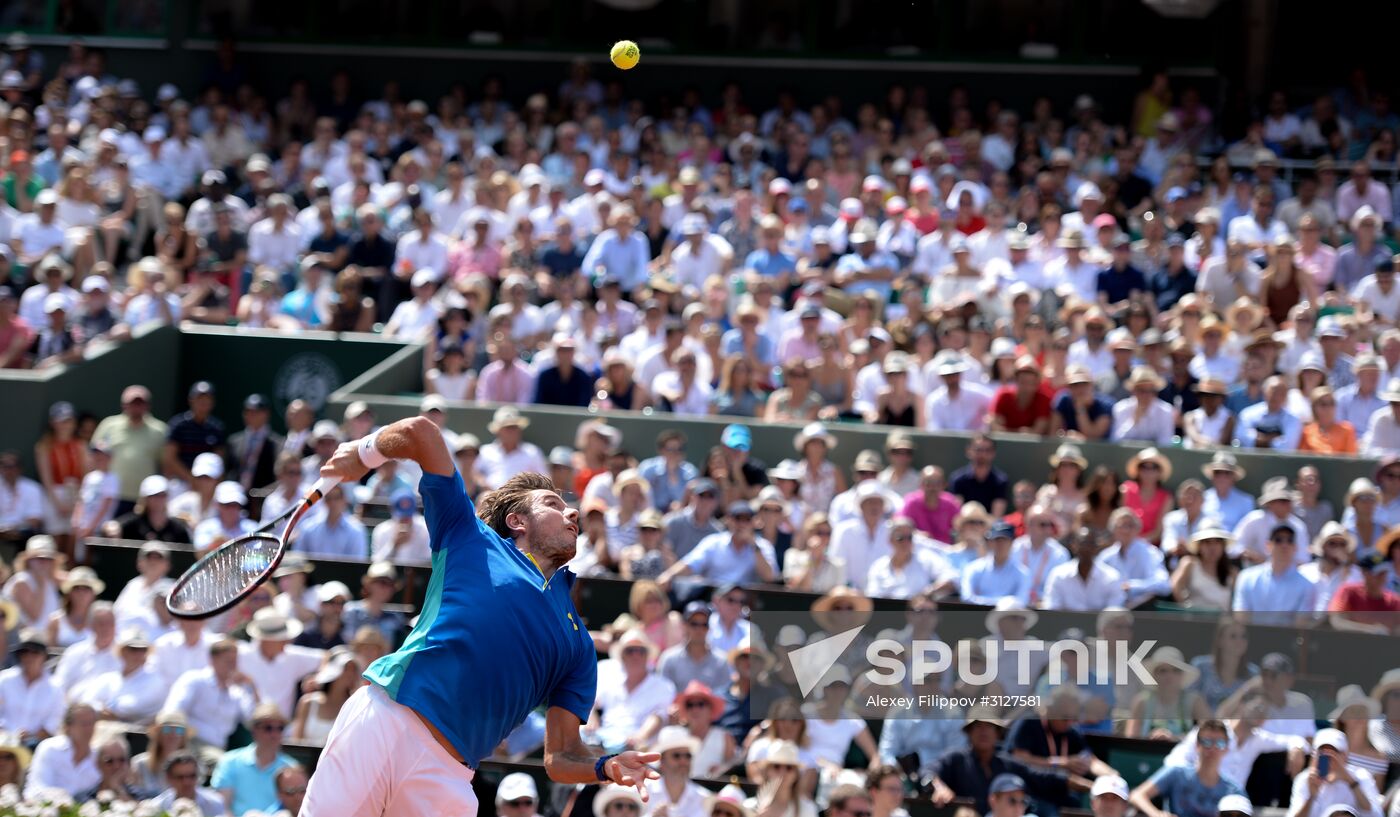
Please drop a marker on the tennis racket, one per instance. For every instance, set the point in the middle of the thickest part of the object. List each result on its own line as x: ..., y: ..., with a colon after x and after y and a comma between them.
x: 232, y: 571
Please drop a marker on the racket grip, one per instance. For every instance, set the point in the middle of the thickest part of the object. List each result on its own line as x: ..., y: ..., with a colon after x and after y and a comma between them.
x: 318, y: 491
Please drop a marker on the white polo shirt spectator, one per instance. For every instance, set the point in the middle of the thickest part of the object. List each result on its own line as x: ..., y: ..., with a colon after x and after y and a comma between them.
x: 31, y: 703
x: 1351, y: 791
x: 214, y: 708
x: 275, y: 665
x: 1252, y: 533
x: 186, y: 649
x: 131, y: 694
x: 1066, y: 589
x: 92, y: 656
x: 53, y: 767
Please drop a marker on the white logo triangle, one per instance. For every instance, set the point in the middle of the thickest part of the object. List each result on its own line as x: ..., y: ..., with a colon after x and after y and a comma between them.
x: 811, y: 663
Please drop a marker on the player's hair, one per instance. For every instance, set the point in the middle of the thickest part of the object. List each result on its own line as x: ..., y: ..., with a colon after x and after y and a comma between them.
x: 512, y: 497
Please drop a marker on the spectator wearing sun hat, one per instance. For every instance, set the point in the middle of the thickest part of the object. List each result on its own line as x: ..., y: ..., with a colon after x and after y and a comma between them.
x: 31, y: 702
x: 1144, y: 415
x: 134, y: 692
x: 1275, y: 508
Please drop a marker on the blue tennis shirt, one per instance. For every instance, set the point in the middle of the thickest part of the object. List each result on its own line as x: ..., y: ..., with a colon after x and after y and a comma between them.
x: 494, y: 639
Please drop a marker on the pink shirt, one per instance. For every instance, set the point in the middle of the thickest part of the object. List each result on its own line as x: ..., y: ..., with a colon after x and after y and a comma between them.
x: 501, y: 384
x: 795, y: 347
x: 937, y: 521
x: 1320, y: 263
x: 465, y: 260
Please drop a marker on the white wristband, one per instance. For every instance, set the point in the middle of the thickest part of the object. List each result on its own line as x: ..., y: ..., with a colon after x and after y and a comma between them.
x: 369, y: 452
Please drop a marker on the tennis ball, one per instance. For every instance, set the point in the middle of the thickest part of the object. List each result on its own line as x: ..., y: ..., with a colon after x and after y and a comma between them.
x: 625, y: 54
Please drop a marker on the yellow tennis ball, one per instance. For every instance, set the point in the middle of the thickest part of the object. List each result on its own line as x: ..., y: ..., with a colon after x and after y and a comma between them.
x: 625, y: 54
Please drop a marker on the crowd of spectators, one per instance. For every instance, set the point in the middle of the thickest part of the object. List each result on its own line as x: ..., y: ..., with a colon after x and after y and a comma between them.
x: 982, y: 271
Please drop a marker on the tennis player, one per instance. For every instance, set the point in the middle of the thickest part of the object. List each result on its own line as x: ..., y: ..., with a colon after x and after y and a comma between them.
x: 498, y: 636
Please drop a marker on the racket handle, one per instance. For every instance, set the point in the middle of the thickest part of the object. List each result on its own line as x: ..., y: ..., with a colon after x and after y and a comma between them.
x: 319, y: 490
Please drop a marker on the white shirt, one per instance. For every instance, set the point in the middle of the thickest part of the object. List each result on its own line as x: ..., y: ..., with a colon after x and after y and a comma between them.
x: 416, y: 549
x: 26, y: 707
x: 1082, y: 278
x: 1252, y: 535
x: 1095, y: 360
x: 213, y: 711
x: 1245, y: 228
x: 1336, y: 792
x: 860, y: 548
x: 277, y: 680
x: 884, y: 580
x: 690, y: 804
x: 83, y: 661
x: 275, y: 248
x: 53, y: 768
x: 1158, y: 425
x: 1239, y: 759
x: 1064, y: 590
x: 413, y: 319
x: 690, y: 267
x: 965, y: 412
x: 624, y: 712
x: 496, y: 465
x: 31, y: 304
x: 134, y: 698
x: 24, y: 501
x: 136, y: 598
x: 174, y: 658
x: 430, y: 254
x: 35, y: 237
x: 1384, y: 304
x: 933, y: 255
x: 98, y: 486
x: 695, y: 401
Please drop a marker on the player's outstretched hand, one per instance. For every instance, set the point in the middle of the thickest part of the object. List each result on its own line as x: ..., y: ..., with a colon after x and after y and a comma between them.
x: 632, y: 769
x: 345, y: 463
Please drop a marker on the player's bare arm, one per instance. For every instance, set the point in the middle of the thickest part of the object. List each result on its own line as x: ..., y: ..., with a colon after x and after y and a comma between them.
x: 415, y: 438
x: 567, y: 759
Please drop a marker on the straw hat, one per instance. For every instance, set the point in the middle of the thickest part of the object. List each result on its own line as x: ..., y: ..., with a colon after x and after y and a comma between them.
x: 670, y: 738
x: 506, y: 417
x: 1223, y: 461
x: 983, y: 714
x: 596, y: 426
x: 1275, y: 490
x: 1386, y: 542
x: 1171, y: 657
x: 813, y: 431
x: 1352, y: 696
x: 631, y: 476
x: 1150, y: 454
x: 1068, y: 453
x: 1213, y: 324
x: 38, y: 547
x: 9, y: 742
x: 83, y: 577
x: 1211, y: 385
x: 632, y: 638
x: 1145, y: 374
x: 1211, y: 528
x: 611, y: 794
x: 1009, y: 606
x: 1245, y: 307
x: 782, y: 753
x: 842, y: 593
x: 1389, y: 682
x: 1360, y: 486
x: 270, y: 625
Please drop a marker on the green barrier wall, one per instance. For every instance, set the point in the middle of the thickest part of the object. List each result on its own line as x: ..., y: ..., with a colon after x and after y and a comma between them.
x: 167, y: 360
x: 95, y: 386
x: 1020, y: 456
x: 308, y: 365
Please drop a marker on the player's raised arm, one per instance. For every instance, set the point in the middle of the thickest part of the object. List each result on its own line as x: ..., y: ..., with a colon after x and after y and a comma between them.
x: 567, y: 759
x: 415, y: 438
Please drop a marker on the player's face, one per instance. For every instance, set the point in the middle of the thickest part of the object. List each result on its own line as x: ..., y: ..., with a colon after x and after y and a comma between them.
x: 552, y: 527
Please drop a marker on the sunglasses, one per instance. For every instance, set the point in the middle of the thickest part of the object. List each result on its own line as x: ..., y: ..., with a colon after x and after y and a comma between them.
x: 172, y: 730
x: 1214, y: 743
x: 271, y: 727
x: 697, y: 704
x: 293, y: 791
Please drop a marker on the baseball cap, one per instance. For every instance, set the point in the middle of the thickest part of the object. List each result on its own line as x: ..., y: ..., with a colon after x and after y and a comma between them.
x: 325, y: 430
x: 739, y: 509
x: 423, y: 277
x: 95, y: 283
x: 561, y: 455
x: 1276, y: 662
x: 1110, y: 784
x: 403, y: 505
x: 229, y: 493
x: 255, y: 402
x: 697, y: 608
x: 1231, y: 802
x: 432, y: 402
x: 703, y: 485
x: 333, y: 589
x: 201, y: 387
x: 737, y: 436
x: 45, y: 197
x: 208, y: 464
x: 62, y: 410
x: 1373, y: 563
x: 1002, y: 530
x: 1004, y: 783
x: 516, y: 786
x: 1175, y: 194
x: 55, y: 302
x: 1331, y: 737
x: 153, y: 485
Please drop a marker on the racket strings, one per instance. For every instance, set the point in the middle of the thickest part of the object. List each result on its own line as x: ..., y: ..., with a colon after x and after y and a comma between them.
x: 225, y: 574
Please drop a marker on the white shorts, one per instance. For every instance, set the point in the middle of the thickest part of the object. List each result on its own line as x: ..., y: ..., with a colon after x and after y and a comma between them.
x: 381, y: 761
